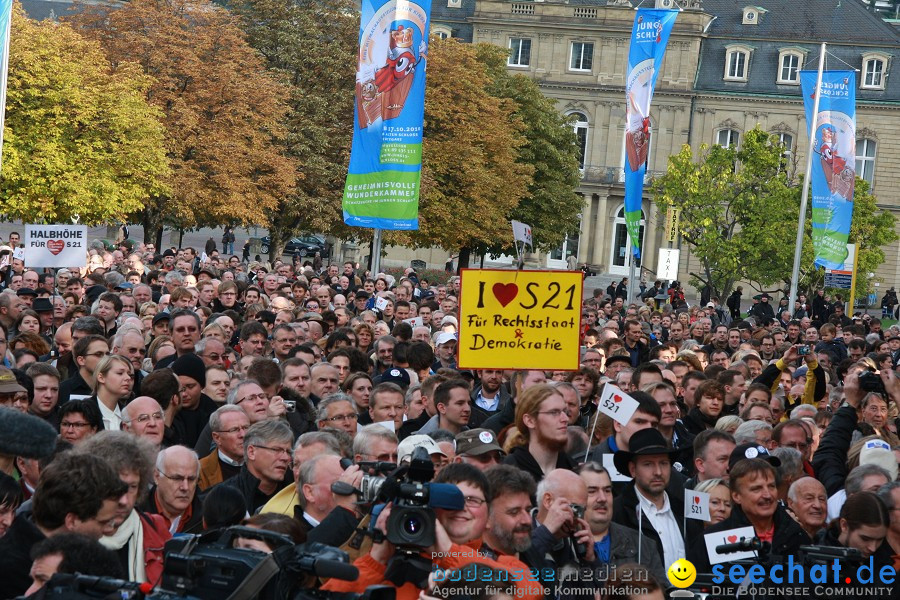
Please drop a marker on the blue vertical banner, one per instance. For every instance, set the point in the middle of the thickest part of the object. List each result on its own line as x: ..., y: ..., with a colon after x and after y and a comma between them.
x: 649, y: 37
x: 834, y: 162
x: 382, y: 188
x: 5, y: 29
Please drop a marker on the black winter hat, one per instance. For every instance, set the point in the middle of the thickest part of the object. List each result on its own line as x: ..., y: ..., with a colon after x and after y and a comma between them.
x: 191, y: 365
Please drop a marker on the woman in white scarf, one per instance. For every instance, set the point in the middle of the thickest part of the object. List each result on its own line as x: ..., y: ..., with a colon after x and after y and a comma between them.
x: 142, y: 534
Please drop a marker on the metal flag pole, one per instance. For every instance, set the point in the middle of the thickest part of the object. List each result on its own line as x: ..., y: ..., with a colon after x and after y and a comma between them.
x: 376, y: 252
x: 804, y: 196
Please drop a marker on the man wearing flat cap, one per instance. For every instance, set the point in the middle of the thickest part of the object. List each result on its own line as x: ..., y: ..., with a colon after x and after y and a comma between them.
x: 648, y: 461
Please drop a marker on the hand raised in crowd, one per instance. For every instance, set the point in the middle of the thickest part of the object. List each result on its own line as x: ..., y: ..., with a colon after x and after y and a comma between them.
x: 891, y: 384
x: 276, y: 407
x: 384, y: 550
x: 559, y: 517
x: 583, y: 535
x: 353, y: 476
x: 852, y: 392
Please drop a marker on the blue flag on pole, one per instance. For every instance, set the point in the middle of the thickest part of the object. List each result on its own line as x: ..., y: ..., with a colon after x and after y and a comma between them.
x: 834, y: 162
x: 382, y: 189
x: 5, y: 25
x: 649, y: 37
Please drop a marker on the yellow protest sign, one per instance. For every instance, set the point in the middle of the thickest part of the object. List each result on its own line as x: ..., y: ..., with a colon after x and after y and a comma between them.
x: 520, y: 319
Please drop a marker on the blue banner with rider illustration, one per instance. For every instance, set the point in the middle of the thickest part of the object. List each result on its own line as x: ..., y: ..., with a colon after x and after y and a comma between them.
x: 382, y: 188
x: 834, y: 162
x: 649, y: 37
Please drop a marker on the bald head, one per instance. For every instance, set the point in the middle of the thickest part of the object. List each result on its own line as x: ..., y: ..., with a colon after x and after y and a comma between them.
x: 805, y: 485
x: 562, y: 483
x: 144, y: 417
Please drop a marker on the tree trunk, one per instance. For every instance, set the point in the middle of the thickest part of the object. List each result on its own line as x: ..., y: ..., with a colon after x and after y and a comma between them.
x: 463, y: 261
x: 153, y: 228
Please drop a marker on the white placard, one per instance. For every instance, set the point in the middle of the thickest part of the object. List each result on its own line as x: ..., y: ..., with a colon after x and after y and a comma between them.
x: 696, y: 505
x: 19, y: 253
x: 610, y: 465
x: 55, y: 246
x: 667, y: 265
x: 522, y: 232
x: 729, y: 536
x: 617, y: 404
x: 389, y: 425
x: 415, y: 322
x: 381, y: 303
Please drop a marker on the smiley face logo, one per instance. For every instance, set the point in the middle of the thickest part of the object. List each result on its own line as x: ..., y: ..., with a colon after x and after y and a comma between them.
x: 682, y: 573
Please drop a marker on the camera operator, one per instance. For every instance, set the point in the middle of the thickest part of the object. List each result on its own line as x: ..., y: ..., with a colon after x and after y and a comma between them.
x: 175, y: 494
x: 324, y: 516
x: 76, y: 493
x: 561, y: 538
x: 267, y: 461
x: 755, y: 502
x: 70, y: 553
x: 614, y: 544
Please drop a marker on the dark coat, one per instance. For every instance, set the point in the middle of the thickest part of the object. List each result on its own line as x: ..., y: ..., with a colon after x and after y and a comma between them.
x: 505, y: 416
x: 479, y: 415
x: 248, y: 485
x: 15, y: 556
x: 788, y: 537
x: 334, y: 530
x: 522, y: 458
x: 193, y: 525
x: 830, y: 459
x: 695, y: 421
x: 624, y: 549
x: 74, y: 385
x: 625, y: 513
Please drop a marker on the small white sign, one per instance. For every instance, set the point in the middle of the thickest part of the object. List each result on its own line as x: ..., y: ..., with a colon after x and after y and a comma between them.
x: 610, y: 466
x: 381, y: 303
x: 731, y: 536
x: 522, y: 232
x: 55, y: 246
x: 667, y: 266
x: 415, y: 322
x: 617, y: 404
x: 389, y: 425
x: 696, y: 505
x: 19, y: 253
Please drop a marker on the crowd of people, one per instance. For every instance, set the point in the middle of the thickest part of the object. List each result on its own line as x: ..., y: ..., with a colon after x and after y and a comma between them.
x: 193, y: 392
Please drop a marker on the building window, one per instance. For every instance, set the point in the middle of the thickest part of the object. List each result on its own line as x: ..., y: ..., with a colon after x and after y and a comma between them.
x: 737, y: 63
x: 727, y: 138
x: 873, y: 72
x: 441, y: 32
x: 789, y: 69
x: 582, y: 58
x: 581, y: 134
x: 786, y: 140
x: 865, y: 160
x: 519, y: 52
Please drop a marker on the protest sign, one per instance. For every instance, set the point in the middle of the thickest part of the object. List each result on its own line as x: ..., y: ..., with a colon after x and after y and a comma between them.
x: 520, y: 319
x: 617, y: 404
x: 55, y: 246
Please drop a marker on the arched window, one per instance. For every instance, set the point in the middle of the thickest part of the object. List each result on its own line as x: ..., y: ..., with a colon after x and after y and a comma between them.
x: 737, y: 63
x: 581, y: 137
x: 441, y: 32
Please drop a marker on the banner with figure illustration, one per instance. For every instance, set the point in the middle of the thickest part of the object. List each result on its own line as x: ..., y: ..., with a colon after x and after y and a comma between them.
x: 649, y: 37
x: 382, y: 188
x: 5, y: 25
x: 834, y: 162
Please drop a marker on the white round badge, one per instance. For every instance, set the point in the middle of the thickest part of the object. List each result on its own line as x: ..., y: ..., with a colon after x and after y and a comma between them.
x: 485, y: 437
x: 751, y: 453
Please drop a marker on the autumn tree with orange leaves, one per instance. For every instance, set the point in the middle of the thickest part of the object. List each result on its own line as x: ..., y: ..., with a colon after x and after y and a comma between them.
x: 222, y: 110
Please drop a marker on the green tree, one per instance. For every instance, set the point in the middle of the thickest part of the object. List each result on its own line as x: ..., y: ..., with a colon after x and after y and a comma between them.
x: 740, y: 209
x: 551, y: 207
x: 311, y: 45
x: 471, y: 176
x: 80, y: 139
x: 222, y: 109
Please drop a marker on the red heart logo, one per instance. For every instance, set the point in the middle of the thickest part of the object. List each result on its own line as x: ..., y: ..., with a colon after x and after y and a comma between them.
x: 505, y: 292
x: 732, y: 538
x: 617, y: 398
x: 696, y: 499
x: 55, y: 246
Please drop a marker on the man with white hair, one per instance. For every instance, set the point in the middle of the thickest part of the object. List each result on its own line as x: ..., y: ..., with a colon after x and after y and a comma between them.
x: 174, y: 495
x: 144, y: 417
x: 808, y: 501
x: 754, y: 432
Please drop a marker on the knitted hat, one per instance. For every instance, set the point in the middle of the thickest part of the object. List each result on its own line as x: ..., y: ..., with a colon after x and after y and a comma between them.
x: 191, y: 365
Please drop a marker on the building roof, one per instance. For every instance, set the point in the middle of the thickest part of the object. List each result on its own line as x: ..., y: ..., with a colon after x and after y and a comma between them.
x: 836, y: 21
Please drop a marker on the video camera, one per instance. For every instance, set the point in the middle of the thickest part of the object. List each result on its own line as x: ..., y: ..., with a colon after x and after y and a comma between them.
x: 208, y: 567
x: 411, y: 525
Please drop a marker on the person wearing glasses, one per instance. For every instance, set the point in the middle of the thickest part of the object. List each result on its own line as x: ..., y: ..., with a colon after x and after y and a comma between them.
x: 175, y: 494
x: 87, y: 352
x: 144, y: 417
x: 337, y: 411
x: 537, y: 443
x: 229, y: 425
x: 267, y: 461
x: 78, y: 421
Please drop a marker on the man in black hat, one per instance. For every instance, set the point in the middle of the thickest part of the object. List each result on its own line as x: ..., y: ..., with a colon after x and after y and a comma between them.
x: 762, y: 310
x: 26, y: 296
x: 754, y: 495
x: 196, y: 407
x: 648, y: 461
x: 44, y: 308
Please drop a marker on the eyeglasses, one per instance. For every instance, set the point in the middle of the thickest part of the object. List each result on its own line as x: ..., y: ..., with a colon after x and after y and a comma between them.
x: 475, y: 502
x: 75, y: 425
x: 157, y: 416
x: 189, y: 479
x: 278, y: 451
x: 260, y: 396
x: 554, y: 414
x: 342, y: 418
x: 234, y: 429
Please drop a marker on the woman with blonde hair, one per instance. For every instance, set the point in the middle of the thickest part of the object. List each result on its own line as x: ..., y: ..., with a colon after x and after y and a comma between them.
x: 365, y: 335
x: 113, y: 380
x: 539, y: 437
x: 729, y: 423
x: 214, y: 330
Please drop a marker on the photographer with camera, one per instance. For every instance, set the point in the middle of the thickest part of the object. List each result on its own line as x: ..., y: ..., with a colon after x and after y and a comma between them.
x: 813, y: 390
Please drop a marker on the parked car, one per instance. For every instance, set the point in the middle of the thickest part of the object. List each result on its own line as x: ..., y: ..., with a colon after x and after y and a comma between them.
x: 304, y: 245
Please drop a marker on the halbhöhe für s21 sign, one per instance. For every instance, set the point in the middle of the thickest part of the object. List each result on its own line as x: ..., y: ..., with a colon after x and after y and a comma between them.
x: 520, y: 319
x: 55, y: 246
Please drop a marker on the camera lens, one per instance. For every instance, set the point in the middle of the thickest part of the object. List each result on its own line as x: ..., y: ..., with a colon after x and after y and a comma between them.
x: 412, y: 525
